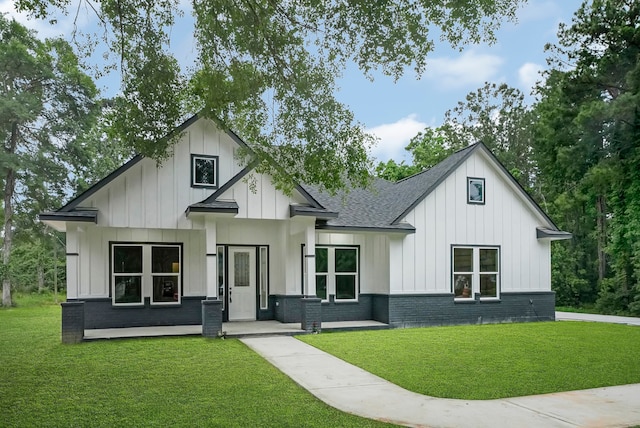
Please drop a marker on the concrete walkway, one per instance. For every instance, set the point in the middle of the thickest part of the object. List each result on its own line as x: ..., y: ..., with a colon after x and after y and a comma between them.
x: 574, y: 316
x: 353, y: 390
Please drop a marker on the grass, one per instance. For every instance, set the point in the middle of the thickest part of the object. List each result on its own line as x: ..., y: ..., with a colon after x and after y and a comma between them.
x: 142, y: 382
x: 494, y: 361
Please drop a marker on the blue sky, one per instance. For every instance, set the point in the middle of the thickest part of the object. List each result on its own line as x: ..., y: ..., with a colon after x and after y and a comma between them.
x: 396, y: 111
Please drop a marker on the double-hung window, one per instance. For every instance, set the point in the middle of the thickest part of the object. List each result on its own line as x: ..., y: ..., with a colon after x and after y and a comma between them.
x: 337, y: 273
x: 140, y: 271
x: 476, y: 271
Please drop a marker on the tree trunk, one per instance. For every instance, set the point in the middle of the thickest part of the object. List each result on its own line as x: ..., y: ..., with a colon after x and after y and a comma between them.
x: 9, y: 189
x: 601, y: 224
x: 40, y: 277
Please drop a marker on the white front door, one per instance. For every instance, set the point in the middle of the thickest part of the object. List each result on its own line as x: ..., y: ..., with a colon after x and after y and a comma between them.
x: 242, y: 284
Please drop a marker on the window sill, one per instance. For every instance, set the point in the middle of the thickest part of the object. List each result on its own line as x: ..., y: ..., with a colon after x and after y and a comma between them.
x: 165, y: 305
x: 464, y: 301
x: 128, y: 306
x: 341, y: 301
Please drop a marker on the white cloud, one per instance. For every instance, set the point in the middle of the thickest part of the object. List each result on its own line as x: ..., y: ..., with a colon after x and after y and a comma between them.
x: 539, y: 11
x: 394, y: 137
x: 470, y: 68
x: 529, y: 75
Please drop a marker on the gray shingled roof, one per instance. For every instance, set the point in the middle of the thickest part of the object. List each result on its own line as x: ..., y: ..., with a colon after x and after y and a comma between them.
x: 384, y: 204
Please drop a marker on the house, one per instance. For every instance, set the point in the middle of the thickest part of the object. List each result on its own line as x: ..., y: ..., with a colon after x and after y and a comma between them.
x: 195, y: 242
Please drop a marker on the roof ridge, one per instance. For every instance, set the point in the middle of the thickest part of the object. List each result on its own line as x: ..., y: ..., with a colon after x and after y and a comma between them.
x: 429, y: 169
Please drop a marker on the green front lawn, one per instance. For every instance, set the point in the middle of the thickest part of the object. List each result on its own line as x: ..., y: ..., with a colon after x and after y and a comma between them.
x: 143, y: 382
x: 494, y: 361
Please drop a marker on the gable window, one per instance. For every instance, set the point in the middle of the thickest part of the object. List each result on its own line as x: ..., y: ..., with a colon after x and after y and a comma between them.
x: 204, y: 171
x: 146, y: 270
x: 475, y: 190
x: 337, y: 273
x: 476, y: 272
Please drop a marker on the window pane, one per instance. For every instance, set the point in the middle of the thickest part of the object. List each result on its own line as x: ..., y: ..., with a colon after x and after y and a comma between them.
x: 204, y: 170
x: 322, y: 261
x: 241, y: 269
x: 346, y: 260
x: 488, y: 260
x: 345, y: 286
x: 488, y: 285
x: 127, y: 289
x: 220, y: 257
x: 321, y: 286
x: 127, y: 259
x: 165, y: 260
x: 165, y: 289
x: 462, y: 286
x: 463, y: 259
x: 264, y: 293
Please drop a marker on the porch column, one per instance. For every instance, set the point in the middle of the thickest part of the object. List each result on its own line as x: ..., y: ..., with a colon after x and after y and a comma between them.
x: 310, y: 260
x: 212, y: 259
x: 311, y: 306
x: 72, y: 322
x: 73, y: 265
x: 212, y: 305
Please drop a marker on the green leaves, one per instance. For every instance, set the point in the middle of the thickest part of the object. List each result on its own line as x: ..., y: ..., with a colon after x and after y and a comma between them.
x: 267, y: 70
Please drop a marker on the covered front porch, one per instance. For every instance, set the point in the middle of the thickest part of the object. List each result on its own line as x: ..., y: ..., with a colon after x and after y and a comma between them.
x: 229, y: 329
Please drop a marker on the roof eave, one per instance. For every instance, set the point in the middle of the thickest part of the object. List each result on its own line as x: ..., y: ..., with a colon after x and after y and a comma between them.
x: 297, y: 210
x: 552, y: 234
x: 405, y: 231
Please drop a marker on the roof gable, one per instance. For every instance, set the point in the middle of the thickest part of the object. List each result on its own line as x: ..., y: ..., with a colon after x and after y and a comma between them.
x: 386, y: 204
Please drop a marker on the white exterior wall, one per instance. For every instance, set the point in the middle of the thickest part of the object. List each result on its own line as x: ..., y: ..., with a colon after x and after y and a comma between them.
x: 94, y: 246
x: 374, y: 257
x: 147, y: 196
x: 421, y: 262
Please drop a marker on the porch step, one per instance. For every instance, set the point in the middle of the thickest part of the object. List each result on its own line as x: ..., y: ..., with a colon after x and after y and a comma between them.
x: 234, y: 329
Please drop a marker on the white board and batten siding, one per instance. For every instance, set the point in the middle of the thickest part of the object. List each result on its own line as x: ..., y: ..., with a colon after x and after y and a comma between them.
x: 148, y: 196
x: 373, y: 258
x: 421, y: 262
x: 94, y: 271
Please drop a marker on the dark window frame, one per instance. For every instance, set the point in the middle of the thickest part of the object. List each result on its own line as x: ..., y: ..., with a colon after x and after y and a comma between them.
x: 149, y: 274
x: 476, y: 272
x: 215, y: 174
x: 484, y: 191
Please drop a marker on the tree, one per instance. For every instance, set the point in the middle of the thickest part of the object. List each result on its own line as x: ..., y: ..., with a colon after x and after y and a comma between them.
x: 427, y: 149
x: 45, y: 101
x: 266, y: 69
x: 587, y: 146
x: 495, y: 114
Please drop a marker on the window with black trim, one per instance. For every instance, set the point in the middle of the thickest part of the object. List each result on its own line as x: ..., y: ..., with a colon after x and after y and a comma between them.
x: 146, y: 270
x: 475, y: 190
x: 475, y: 271
x: 204, y: 171
x: 337, y: 273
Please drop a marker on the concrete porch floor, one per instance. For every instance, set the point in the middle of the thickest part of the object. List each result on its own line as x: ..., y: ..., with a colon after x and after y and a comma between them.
x: 232, y: 329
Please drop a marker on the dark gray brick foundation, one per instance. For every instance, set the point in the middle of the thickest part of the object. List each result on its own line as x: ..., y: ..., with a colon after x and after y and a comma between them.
x: 72, y: 321
x: 311, y: 314
x: 441, y: 309
x: 211, y: 318
x: 100, y: 313
x: 287, y: 308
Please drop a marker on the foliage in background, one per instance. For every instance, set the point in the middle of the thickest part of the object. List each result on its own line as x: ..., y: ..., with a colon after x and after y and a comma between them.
x: 267, y: 70
x: 53, y: 131
x: 587, y: 148
x: 45, y: 103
